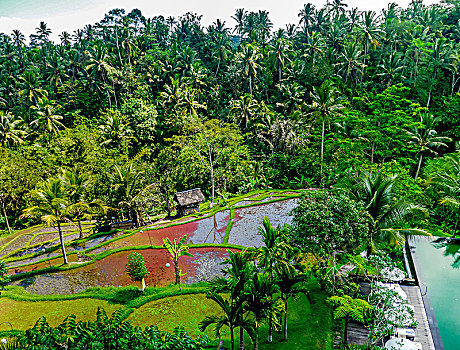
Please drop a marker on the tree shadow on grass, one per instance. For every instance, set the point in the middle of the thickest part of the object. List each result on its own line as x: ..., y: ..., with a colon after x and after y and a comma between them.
x: 124, y: 296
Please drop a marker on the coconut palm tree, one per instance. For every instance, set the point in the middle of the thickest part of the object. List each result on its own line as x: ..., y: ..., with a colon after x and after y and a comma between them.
x: 19, y: 40
x: 377, y: 193
x: 244, y: 108
x: 10, y: 130
x: 76, y: 182
x: 425, y: 138
x: 115, y: 130
x: 47, y: 118
x: 449, y: 185
x: 269, y: 254
x: 130, y: 193
x: 51, y: 205
x: 30, y: 87
x: 326, y: 103
x: 248, y: 60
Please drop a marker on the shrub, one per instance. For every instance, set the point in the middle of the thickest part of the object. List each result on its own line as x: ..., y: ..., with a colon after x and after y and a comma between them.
x: 136, y: 268
x: 106, y: 333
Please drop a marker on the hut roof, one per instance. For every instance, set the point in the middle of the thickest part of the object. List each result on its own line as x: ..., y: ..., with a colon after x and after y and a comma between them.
x: 189, y: 197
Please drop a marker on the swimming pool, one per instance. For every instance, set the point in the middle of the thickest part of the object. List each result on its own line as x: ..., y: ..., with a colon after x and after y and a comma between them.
x: 437, y: 263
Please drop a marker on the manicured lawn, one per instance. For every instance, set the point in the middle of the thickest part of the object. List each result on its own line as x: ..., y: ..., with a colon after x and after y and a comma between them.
x: 23, y: 314
x: 168, y: 313
x: 309, y: 318
x: 309, y: 324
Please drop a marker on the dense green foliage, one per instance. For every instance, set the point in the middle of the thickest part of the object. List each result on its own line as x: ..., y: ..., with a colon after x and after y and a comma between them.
x: 149, y: 106
x: 105, y: 333
x: 135, y: 267
x: 325, y: 223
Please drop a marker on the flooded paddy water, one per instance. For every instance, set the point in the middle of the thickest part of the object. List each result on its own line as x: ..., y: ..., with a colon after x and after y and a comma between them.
x: 110, y: 271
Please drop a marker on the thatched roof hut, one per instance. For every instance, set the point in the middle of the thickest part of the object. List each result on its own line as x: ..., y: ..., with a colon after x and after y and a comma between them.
x: 189, y: 201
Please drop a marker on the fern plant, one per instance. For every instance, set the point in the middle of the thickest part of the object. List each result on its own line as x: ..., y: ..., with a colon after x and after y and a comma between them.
x: 347, y: 308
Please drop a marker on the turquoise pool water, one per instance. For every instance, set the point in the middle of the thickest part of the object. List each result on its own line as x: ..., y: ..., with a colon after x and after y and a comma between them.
x: 439, y: 262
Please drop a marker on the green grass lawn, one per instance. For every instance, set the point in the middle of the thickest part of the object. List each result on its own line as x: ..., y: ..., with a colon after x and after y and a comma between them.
x: 23, y: 314
x: 168, y: 313
x: 309, y: 318
x: 309, y: 323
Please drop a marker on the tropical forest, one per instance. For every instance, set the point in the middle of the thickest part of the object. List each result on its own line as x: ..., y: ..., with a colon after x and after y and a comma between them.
x: 170, y: 185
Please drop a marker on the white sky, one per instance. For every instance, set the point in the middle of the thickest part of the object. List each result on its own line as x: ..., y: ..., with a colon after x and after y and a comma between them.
x: 70, y: 15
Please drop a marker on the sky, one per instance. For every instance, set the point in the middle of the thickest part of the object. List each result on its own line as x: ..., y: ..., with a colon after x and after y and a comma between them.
x: 69, y: 15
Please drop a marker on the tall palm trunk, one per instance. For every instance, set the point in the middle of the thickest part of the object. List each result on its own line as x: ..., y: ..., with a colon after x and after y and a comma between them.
x: 232, y: 338
x: 61, y: 238
x: 80, y: 229
x: 270, y: 332
x: 241, y: 336
x: 6, y: 217
x: 285, y: 318
x: 322, y: 143
x: 256, y: 341
x: 419, y: 165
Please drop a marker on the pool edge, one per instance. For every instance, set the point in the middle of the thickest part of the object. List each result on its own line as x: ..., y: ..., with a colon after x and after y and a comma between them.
x: 432, y: 323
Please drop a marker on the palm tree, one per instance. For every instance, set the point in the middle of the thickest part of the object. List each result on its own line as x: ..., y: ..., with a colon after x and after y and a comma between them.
x: 260, y: 302
x: 43, y: 32
x: 425, y: 138
x: 244, y: 108
x: 269, y: 254
x: 10, y: 131
x: 280, y: 57
x: 221, y: 47
x: 391, y: 67
x: 231, y: 318
x: 449, y: 185
x: 350, y: 62
x: 65, y: 39
x: 307, y: 16
x: 370, y: 32
x: 51, y: 206
x: 130, y: 194
x: 48, y: 120
x: 377, y: 193
x: 236, y: 276
x: 289, y: 277
x: 315, y: 45
x: 326, y: 103
x: 248, y: 59
x: 115, y: 130
x: 240, y: 18
x: 19, y: 40
x: 30, y: 87
x: 76, y: 182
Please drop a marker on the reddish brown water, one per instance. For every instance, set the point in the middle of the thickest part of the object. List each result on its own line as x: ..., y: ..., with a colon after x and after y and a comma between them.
x: 110, y: 271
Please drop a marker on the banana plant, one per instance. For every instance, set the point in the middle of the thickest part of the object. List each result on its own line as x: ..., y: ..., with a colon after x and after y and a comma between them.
x: 177, y: 250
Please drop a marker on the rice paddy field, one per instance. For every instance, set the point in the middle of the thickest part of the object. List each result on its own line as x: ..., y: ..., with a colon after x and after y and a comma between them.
x: 95, y: 276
